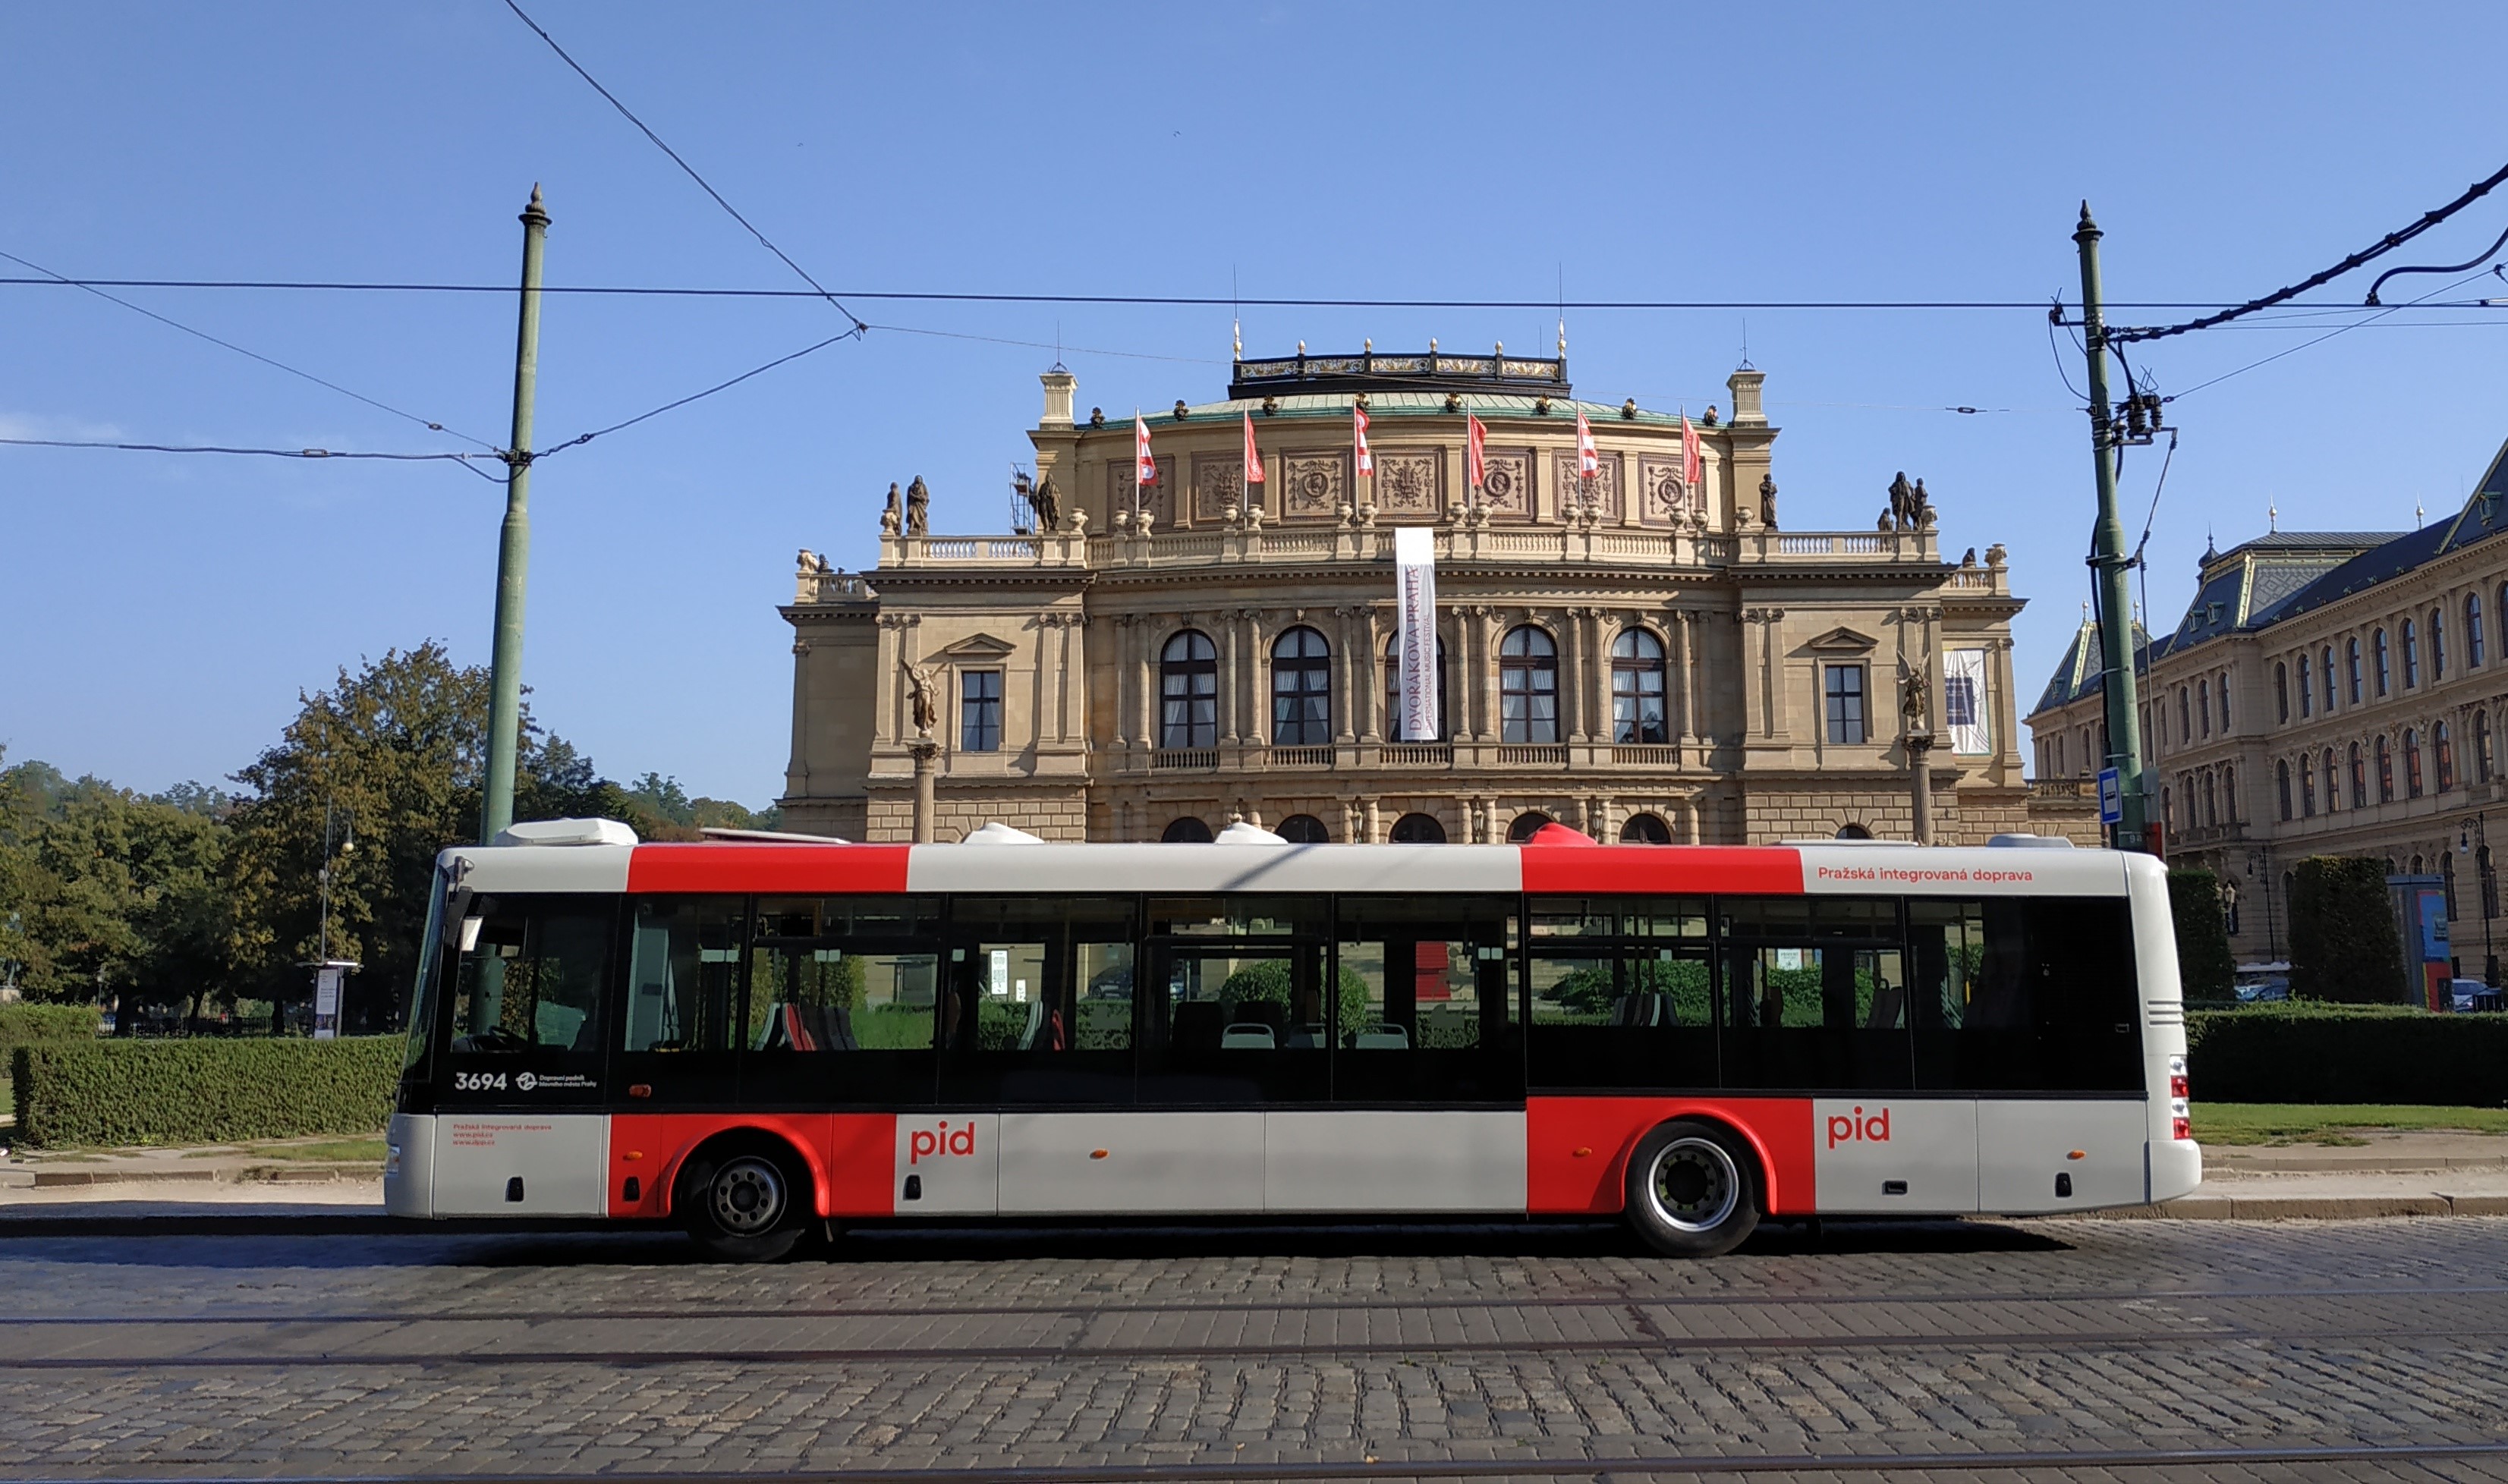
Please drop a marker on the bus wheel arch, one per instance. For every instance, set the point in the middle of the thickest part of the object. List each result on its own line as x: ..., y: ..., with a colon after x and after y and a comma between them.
x: 1695, y: 1187
x: 745, y: 1195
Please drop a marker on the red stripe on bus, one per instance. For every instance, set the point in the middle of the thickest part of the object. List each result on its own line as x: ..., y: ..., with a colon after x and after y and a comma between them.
x: 1755, y: 870
x: 739, y: 867
x: 850, y: 1157
x: 1577, y: 1148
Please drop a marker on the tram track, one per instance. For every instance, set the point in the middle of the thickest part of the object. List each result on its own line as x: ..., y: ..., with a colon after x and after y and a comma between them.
x: 1301, y: 1305
x: 2039, y: 1462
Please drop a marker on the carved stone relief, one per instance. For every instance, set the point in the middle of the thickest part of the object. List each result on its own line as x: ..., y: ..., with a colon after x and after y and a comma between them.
x: 1663, y: 499
x: 1314, y: 486
x: 1607, y: 486
x: 1218, y: 481
x: 1506, y: 485
x: 1162, y: 501
x: 1410, y: 484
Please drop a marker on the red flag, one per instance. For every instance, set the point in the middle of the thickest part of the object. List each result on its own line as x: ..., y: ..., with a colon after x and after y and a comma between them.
x: 1358, y: 432
x: 1693, y: 467
x: 1145, y: 469
x: 1589, y: 463
x: 1253, y: 460
x: 1475, y: 451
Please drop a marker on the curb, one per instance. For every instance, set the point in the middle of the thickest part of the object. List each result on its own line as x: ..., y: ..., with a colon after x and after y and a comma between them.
x: 247, y: 1174
x: 2320, y: 1208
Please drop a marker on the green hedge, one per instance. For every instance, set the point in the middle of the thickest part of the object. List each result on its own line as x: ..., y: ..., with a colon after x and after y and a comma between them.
x: 202, y: 1091
x: 27, y: 1025
x: 2305, y: 1053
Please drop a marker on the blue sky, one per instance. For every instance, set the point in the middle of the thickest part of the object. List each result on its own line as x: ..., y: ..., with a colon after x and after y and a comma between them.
x: 158, y: 614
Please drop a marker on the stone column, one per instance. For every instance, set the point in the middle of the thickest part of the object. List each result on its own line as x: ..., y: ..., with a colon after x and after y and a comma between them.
x: 1483, y: 673
x: 1375, y: 834
x: 1345, y: 677
x: 926, y: 757
x: 1920, y: 771
x: 1571, y: 726
x: 1074, y: 676
x: 796, y: 772
x: 1256, y: 724
x: 1227, y: 675
x: 1371, y: 726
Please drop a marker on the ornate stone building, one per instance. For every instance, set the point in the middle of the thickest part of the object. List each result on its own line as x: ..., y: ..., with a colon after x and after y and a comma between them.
x: 1636, y: 654
x: 2326, y: 693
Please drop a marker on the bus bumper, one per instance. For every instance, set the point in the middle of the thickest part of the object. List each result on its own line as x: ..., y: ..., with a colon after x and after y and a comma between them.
x: 2176, y: 1167
x: 409, y: 1166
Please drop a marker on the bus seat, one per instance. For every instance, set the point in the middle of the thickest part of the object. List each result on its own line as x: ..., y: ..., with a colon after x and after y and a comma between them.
x: 1195, y: 1025
x: 1247, y: 1035
x: 1888, y: 1008
x: 1035, y: 1023
x: 1651, y: 1008
x: 1383, y: 1037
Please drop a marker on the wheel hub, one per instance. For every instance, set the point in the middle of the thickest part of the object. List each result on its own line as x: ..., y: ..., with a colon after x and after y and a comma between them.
x: 747, y: 1196
x: 1695, y: 1185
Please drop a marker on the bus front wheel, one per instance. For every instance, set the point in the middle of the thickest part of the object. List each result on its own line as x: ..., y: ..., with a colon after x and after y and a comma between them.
x: 1693, y: 1190
x: 743, y: 1206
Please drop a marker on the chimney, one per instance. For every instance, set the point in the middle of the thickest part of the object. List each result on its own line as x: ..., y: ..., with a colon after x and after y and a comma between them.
x: 1059, y: 385
x: 1745, y: 386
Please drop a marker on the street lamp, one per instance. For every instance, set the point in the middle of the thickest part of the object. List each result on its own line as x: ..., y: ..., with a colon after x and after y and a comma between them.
x: 2472, y: 839
x: 2272, y: 940
x: 328, y: 973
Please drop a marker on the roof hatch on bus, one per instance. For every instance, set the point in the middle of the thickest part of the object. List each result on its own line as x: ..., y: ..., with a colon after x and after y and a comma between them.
x: 566, y: 832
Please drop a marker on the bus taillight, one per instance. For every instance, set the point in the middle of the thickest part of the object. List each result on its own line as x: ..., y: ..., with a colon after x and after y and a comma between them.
x: 2177, y: 1086
x: 2181, y: 1128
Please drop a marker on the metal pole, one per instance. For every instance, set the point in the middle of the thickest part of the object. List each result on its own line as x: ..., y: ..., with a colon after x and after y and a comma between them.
x: 2108, y: 558
x: 514, y: 550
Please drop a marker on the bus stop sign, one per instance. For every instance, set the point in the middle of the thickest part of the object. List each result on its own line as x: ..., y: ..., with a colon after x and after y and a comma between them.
x: 2111, y: 796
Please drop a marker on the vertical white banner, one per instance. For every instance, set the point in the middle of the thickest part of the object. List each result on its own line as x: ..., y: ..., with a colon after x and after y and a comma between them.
x: 1415, y: 577
x: 1964, y: 702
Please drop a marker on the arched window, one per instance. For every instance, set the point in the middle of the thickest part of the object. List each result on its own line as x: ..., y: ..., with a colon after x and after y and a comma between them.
x: 1393, y: 694
x: 2418, y: 867
x: 2281, y: 776
x: 1189, y: 692
x: 1301, y: 689
x: 1527, y: 687
x: 2229, y: 794
x: 1419, y: 829
x: 2359, y: 779
x: 1637, y: 688
x: 2060, y: 757
x: 2185, y: 716
x: 1645, y: 829
x: 2378, y: 658
x: 2443, y: 752
x: 1184, y: 831
x: 2328, y: 667
x: 2203, y: 704
x: 2307, y: 792
x: 2224, y: 693
x: 2385, y: 770
x: 2281, y: 692
x: 2438, y: 643
x: 2412, y: 762
x: 2169, y: 809
x: 2306, y: 688
x: 1525, y: 826
x: 1302, y: 829
x: 2482, y: 764
x: 2333, y: 794
x: 2411, y: 655
x: 2352, y: 668
x: 1852, y: 832
x: 2211, y: 801
x: 2473, y: 631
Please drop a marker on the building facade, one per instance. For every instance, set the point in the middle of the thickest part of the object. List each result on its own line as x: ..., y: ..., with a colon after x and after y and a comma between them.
x: 1635, y: 653
x: 2325, y: 694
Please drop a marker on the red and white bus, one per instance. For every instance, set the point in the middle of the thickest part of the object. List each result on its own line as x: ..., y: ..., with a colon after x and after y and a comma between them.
x: 749, y: 1038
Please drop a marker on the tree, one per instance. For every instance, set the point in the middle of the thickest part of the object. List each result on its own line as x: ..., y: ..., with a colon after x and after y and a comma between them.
x: 2204, y: 964
x: 395, y: 753
x: 2344, y: 942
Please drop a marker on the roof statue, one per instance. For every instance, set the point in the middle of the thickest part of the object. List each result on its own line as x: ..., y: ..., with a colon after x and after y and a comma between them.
x: 1046, y: 502
x: 1768, y: 500
x: 918, y: 509
x: 893, y: 518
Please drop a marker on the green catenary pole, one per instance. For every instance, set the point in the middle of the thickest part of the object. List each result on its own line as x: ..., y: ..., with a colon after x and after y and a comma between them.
x: 2108, y: 558
x: 515, y: 551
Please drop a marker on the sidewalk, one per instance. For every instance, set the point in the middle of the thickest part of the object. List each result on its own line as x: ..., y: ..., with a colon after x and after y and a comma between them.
x: 221, y: 1175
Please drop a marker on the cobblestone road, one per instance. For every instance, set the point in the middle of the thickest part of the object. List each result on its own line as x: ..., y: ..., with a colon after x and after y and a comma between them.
x: 1242, y: 1351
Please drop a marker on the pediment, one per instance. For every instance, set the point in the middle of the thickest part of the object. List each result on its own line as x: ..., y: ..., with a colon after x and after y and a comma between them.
x: 1843, y: 640
x: 979, y: 646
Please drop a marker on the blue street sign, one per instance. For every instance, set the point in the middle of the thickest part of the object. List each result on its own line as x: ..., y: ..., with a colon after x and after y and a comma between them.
x: 2111, y: 796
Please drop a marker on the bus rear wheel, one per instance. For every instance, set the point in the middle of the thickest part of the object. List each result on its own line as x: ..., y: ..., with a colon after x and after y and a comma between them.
x: 743, y: 1206
x: 1693, y: 1190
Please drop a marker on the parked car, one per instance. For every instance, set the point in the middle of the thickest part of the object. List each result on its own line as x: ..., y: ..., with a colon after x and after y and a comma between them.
x: 2262, y: 983
x: 2469, y: 995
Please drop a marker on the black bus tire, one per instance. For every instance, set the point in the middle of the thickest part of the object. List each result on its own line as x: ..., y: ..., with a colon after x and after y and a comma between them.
x: 745, y: 1205
x: 1693, y: 1190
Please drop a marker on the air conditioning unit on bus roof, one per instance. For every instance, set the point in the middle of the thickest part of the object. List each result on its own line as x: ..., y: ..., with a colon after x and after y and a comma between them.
x: 566, y: 832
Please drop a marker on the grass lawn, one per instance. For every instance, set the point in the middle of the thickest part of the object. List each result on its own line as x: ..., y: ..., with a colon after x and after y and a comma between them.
x: 332, y: 1151
x: 2331, y: 1122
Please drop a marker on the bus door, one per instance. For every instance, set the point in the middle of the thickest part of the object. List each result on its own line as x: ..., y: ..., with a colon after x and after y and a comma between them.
x: 1816, y: 1005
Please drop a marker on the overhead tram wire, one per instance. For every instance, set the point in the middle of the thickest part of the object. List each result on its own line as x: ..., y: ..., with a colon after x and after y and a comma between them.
x: 1147, y: 301
x: 275, y: 364
x: 2384, y: 245
x: 463, y: 459
x: 624, y: 112
x: 2359, y: 324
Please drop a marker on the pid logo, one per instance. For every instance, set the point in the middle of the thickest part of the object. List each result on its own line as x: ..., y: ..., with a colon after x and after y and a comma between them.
x: 939, y: 1143
x: 1857, y: 1128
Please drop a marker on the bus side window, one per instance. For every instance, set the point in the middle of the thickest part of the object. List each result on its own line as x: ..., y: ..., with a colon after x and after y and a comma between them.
x: 1622, y: 992
x: 2025, y: 995
x: 684, y: 976
x: 1815, y: 995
